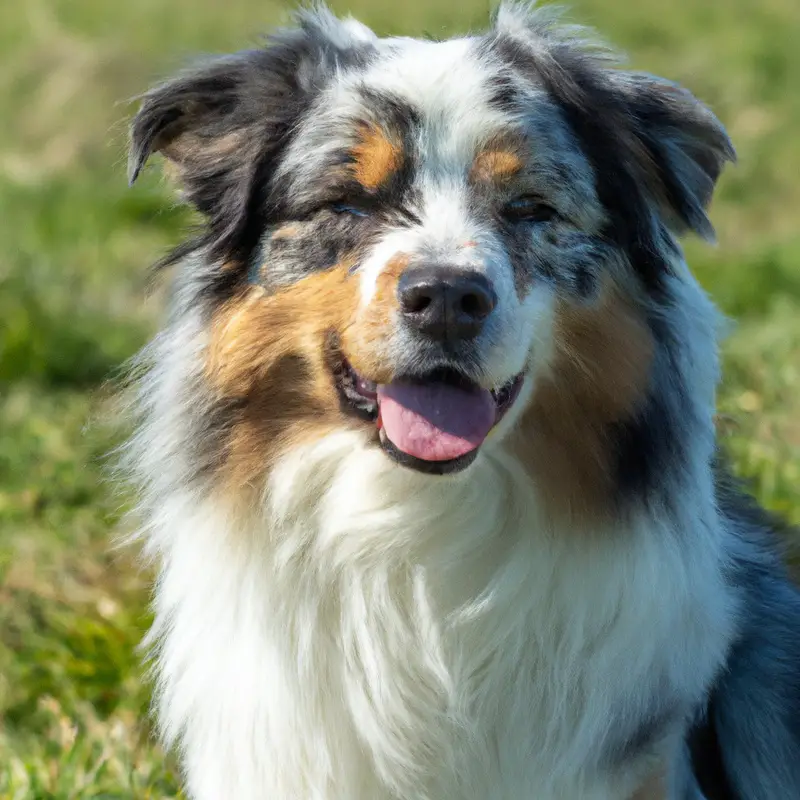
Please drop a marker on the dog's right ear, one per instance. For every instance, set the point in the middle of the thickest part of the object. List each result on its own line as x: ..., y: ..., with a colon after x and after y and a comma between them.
x: 221, y: 124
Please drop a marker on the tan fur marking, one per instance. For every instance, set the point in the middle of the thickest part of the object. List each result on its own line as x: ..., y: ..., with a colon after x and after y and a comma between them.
x: 599, y: 375
x: 288, y: 231
x: 365, y: 344
x: 495, y: 165
x: 267, y: 352
x: 375, y: 158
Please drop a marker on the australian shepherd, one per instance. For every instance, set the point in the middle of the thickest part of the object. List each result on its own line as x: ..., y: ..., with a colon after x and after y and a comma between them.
x: 426, y: 449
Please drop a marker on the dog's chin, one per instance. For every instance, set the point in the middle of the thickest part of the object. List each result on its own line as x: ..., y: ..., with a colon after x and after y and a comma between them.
x: 435, y: 422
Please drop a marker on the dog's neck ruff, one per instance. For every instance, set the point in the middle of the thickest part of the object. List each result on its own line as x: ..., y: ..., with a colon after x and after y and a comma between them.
x: 374, y: 633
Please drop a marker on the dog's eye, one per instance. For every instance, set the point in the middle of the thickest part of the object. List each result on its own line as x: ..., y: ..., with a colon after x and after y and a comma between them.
x: 351, y: 210
x: 529, y: 209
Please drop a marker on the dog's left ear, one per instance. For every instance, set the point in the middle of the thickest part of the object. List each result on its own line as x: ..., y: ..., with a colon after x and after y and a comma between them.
x: 685, y: 147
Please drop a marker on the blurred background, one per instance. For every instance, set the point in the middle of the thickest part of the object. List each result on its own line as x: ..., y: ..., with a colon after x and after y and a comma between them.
x: 75, y: 247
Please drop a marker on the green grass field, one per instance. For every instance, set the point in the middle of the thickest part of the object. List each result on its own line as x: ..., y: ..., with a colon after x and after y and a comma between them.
x: 75, y: 245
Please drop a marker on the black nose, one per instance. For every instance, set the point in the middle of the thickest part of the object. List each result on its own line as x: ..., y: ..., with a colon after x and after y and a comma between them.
x: 445, y: 303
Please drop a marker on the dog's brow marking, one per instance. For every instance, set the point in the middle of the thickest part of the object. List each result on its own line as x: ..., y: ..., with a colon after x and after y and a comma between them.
x: 496, y: 165
x: 286, y: 232
x: 375, y: 158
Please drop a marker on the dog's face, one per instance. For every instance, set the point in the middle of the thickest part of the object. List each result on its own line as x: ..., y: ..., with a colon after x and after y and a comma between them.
x: 428, y: 241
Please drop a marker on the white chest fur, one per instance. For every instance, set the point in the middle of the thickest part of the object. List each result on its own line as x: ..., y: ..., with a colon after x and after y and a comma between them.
x: 379, y: 634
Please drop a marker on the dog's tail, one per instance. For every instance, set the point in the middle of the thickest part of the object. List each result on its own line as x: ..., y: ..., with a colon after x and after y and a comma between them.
x: 747, y: 744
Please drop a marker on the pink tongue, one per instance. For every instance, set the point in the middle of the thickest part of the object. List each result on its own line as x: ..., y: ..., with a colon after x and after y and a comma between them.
x: 435, y: 422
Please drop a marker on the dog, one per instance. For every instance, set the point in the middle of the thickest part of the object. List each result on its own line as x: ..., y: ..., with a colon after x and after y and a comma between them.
x: 425, y: 450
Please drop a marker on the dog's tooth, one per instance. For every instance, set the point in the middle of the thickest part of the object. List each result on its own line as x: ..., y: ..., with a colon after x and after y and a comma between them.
x: 365, y: 386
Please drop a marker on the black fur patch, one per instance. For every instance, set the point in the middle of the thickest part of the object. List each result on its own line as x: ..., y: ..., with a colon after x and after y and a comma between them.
x: 503, y: 93
x: 707, y: 760
x: 645, y: 449
x: 653, y: 444
x: 629, y: 741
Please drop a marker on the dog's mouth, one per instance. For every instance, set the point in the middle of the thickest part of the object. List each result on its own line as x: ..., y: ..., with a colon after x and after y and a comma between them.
x: 433, y: 423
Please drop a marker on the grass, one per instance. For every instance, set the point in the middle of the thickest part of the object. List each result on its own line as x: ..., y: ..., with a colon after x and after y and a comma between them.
x: 75, y: 247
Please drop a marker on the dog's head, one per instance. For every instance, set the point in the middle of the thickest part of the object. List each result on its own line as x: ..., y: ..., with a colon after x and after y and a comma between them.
x: 433, y: 242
